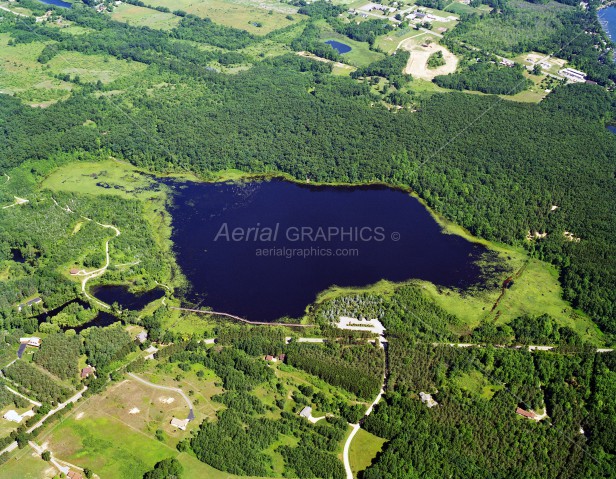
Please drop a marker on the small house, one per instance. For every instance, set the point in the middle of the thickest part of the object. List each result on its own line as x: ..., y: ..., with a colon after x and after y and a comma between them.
x: 282, y: 357
x: 73, y: 271
x: 85, y: 372
x: 142, y: 336
x: 524, y: 413
x: 74, y: 475
x: 270, y: 358
x: 179, y: 423
x: 12, y: 415
x: 34, y: 342
x: 306, y: 412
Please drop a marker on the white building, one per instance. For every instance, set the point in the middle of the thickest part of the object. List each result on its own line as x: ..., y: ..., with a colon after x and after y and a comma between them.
x: 12, y: 415
x: 36, y: 342
x: 179, y: 423
x: 575, y: 76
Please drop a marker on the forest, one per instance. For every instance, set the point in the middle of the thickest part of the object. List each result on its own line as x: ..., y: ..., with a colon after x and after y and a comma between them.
x: 458, y: 436
x: 486, y: 78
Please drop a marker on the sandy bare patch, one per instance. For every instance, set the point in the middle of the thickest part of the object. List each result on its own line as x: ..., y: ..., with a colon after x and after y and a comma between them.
x: 134, y: 410
x: 79, y: 416
x: 417, y: 65
x: 165, y: 400
x: 49, y: 473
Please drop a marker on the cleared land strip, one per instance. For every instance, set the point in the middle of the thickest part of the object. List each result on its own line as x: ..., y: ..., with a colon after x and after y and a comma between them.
x: 237, y: 318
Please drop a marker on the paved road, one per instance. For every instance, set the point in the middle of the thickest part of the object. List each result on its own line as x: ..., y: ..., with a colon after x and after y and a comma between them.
x: 31, y: 401
x: 191, y: 414
x: 14, y: 13
x: 73, y: 399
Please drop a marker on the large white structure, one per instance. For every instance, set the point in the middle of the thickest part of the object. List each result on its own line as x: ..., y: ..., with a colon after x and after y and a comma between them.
x: 12, y: 415
x: 575, y: 76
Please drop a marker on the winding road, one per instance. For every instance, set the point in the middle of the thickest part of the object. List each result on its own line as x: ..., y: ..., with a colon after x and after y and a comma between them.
x: 88, y: 275
x: 191, y: 414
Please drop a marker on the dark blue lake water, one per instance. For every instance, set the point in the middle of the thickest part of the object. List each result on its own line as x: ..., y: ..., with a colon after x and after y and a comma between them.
x: 612, y: 129
x: 102, y: 319
x: 264, y: 250
x: 57, y: 3
x: 120, y: 294
x: 607, y: 17
x: 339, y: 47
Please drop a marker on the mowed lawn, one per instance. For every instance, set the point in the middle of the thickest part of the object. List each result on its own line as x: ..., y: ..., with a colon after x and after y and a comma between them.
x: 26, y: 464
x: 364, y: 448
x: 243, y: 14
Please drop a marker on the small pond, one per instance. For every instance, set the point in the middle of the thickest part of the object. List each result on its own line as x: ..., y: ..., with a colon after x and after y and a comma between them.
x: 120, y: 294
x: 612, y: 129
x: 339, y: 47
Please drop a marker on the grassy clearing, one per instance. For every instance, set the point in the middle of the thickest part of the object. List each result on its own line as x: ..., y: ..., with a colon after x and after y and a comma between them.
x: 364, y: 448
x: 93, y: 442
x: 92, y: 68
x: 85, y: 177
x: 477, y: 383
x: 22, y: 75
x: 243, y: 14
x: 144, y: 17
x: 26, y: 464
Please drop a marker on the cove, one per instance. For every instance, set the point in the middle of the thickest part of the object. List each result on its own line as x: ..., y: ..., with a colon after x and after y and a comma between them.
x: 339, y: 47
x: 263, y: 250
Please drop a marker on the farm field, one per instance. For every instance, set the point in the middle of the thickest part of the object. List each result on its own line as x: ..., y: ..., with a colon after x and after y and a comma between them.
x: 243, y: 14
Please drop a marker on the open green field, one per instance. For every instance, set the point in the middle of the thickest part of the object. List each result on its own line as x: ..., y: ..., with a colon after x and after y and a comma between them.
x: 243, y: 14
x: 360, y: 54
x: 144, y: 17
x: 92, y: 68
x: 22, y: 75
x: 364, y: 448
x: 26, y: 464
x: 477, y: 383
x: 122, y: 179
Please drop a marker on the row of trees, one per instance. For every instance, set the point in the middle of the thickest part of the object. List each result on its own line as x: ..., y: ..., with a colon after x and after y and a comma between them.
x: 36, y: 382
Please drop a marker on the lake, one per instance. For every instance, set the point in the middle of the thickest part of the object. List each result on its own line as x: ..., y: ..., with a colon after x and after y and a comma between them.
x: 612, y: 128
x: 607, y: 17
x: 119, y: 293
x: 57, y: 3
x: 264, y: 250
x: 339, y: 47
